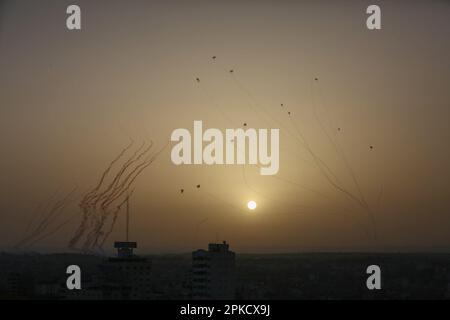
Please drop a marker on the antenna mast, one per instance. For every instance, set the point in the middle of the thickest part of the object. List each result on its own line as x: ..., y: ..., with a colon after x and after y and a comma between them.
x: 128, y: 218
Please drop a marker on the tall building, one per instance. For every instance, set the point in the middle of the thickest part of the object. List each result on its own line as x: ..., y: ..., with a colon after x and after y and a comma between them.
x: 123, y: 277
x: 127, y: 276
x: 127, y: 273
x: 213, y: 272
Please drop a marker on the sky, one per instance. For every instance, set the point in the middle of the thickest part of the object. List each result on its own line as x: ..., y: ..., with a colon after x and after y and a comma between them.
x: 376, y: 118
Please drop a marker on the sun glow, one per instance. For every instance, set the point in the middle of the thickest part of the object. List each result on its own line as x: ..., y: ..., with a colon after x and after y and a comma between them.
x: 251, y: 205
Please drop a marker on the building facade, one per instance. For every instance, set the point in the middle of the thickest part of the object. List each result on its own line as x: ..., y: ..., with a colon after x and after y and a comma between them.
x: 213, y: 272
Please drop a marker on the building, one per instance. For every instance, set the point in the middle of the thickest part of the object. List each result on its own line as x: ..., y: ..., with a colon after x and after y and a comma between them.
x: 213, y: 272
x: 126, y: 276
x: 123, y: 277
x: 49, y: 289
x: 89, y: 291
x: 19, y: 284
x: 127, y: 273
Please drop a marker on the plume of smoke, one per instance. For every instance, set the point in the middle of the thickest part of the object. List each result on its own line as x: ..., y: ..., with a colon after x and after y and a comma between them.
x: 42, y: 224
x: 101, y: 205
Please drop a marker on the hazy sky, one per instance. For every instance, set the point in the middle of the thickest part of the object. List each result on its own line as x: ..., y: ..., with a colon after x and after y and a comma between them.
x: 70, y: 101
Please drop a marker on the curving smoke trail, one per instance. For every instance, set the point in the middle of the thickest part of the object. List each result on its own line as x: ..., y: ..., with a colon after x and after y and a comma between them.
x: 101, y: 206
x: 42, y: 224
x: 300, y: 139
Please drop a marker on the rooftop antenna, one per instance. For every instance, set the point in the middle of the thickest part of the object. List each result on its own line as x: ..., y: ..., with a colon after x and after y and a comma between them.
x: 125, y: 248
x: 128, y: 218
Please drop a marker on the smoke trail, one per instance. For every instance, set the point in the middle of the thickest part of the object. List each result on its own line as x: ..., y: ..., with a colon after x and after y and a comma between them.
x: 326, y: 171
x: 98, y: 206
x: 53, y: 213
x: 340, y: 152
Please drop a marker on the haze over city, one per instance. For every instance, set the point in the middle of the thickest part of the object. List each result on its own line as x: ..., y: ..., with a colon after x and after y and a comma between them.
x: 365, y: 109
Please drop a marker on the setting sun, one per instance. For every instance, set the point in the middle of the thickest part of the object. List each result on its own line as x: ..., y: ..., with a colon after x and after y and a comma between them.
x: 251, y: 205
